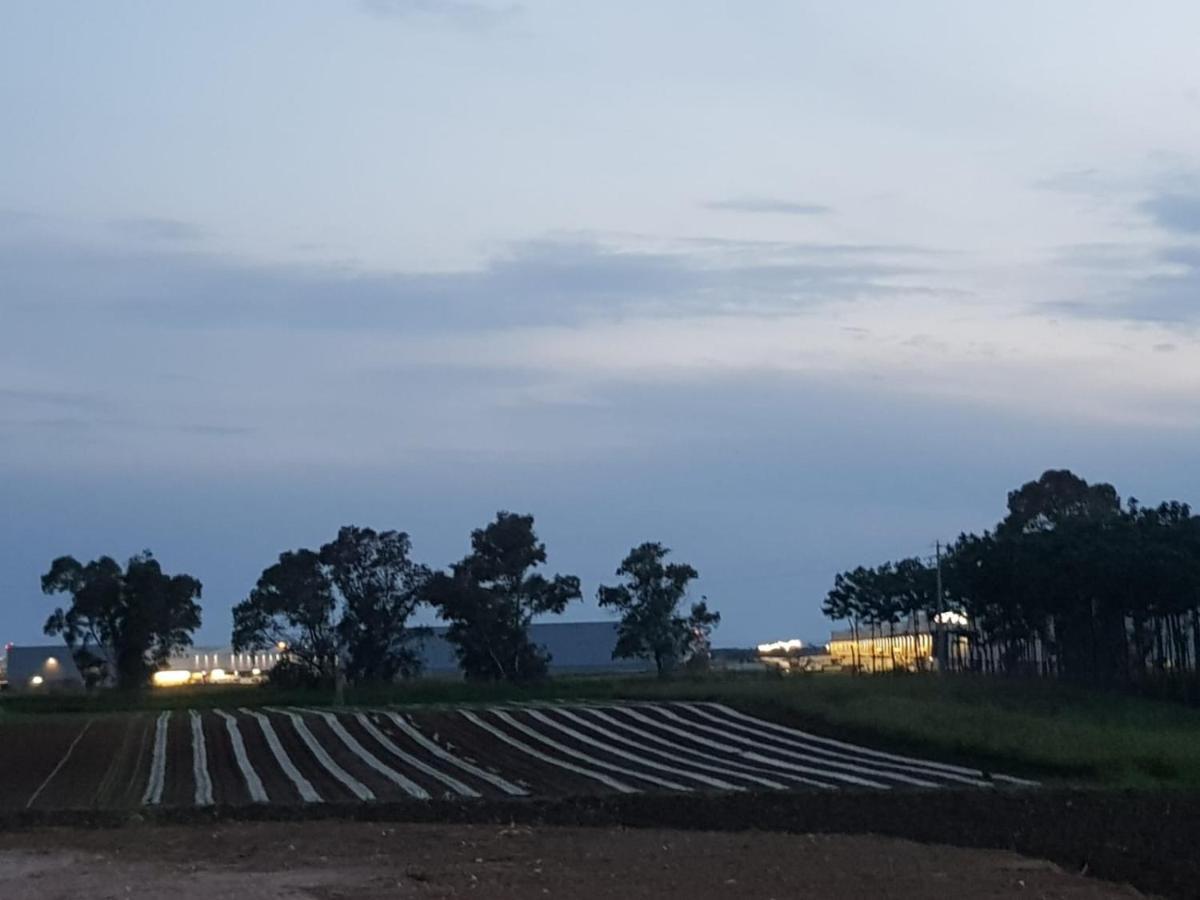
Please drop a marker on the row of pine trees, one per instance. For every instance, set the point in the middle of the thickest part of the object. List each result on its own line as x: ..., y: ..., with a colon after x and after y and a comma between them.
x: 1072, y: 583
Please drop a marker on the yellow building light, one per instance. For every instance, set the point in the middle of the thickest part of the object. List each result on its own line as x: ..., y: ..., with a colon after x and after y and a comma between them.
x: 171, y: 677
x: 789, y: 646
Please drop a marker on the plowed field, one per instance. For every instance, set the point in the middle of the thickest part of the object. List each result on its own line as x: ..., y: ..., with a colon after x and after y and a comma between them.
x: 240, y: 757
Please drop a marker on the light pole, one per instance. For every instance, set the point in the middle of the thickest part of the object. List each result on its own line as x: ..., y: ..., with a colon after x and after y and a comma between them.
x: 939, y: 632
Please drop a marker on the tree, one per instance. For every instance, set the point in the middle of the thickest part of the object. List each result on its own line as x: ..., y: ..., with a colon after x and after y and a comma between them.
x: 847, y: 601
x: 651, y: 625
x: 380, y: 588
x: 491, y: 597
x: 1057, y: 497
x: 123, y: 623
x: 292, y: 607
x: 347, y: 604
x: 1069, y: 584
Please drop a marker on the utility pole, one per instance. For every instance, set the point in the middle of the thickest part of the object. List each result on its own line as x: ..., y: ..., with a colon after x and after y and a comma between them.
x: 939, y: 634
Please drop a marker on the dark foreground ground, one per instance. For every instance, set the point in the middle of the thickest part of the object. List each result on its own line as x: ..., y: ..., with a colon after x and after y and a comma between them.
x: 332, y: 859
x: 1145, y: 839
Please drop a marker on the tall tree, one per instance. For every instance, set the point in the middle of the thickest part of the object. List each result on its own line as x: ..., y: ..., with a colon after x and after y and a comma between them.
x: 847, y: 601
x: 1059, y: 496
x: 346, y: 605
x: 292, y: 607
x: 380, y: 587
x: 649, y: 600
x: 126, y: 622
x: 491, y: 596
x: 1069, y: 584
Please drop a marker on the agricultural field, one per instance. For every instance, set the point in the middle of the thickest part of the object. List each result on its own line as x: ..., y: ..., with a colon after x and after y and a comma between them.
x: 298, y: 756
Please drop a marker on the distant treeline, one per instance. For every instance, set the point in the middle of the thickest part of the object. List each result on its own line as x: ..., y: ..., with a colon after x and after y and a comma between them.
x: 342, y: 611
x: 1072, y: 583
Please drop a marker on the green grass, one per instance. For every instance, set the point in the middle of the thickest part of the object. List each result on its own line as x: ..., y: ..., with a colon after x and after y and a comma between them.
x: 1040, y: 728
x: 1043, y: 729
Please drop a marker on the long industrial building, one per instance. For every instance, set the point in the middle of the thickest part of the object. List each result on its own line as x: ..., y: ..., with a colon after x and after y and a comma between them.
x: 574, y: 647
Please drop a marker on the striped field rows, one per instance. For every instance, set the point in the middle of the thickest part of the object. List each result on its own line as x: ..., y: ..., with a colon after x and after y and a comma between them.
x: 302, y: 756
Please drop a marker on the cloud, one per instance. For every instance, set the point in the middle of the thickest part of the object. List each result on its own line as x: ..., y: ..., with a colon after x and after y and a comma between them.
x: 150, y: 228
x: 210, y: 361
x: 1175, y: 212
x: 43, y: 397
x: 533, y: 283
x: 1075, y: 181
x: 769, y: 205
x: 1137, y: 283
x: 464, y: 14
x: 1105, y: 256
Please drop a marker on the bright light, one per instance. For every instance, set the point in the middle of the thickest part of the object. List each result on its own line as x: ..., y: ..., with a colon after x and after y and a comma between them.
x: 36, y: 680
x: 950, y: 617
x: 282, y: 645
x: 51, y: 662
x: 256, y: 672
x: 171, y: 677
x: 781, y: 646
x: 217, y: 675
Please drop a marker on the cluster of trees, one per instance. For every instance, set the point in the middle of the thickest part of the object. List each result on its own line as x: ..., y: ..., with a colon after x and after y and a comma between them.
x: 122, y: 623
x: 1072, y: 582
x: 344, y: 610
x: 346, y: 607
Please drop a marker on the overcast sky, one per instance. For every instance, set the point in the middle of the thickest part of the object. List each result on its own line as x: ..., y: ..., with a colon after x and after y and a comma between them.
x: 787, y: 286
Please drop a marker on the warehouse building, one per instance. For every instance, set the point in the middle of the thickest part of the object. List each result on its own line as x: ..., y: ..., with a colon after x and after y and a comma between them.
x: 909, y: 645
x: 574, y: 647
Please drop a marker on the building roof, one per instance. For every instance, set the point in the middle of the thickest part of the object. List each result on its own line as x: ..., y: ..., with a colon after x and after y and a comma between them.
x: 573, y: 647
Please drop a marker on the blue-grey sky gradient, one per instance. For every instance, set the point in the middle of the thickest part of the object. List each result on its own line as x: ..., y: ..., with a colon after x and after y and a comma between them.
x: 787, y: 286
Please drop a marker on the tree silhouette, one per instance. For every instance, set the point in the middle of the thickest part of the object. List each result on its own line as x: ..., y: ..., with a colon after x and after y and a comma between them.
x: 648, y: 601
x: 491, y: 596
x: 1070, y: 583
x: 292, y: 606
x: 380, y: 588
x: 346, y: 605
x: 125, y: 622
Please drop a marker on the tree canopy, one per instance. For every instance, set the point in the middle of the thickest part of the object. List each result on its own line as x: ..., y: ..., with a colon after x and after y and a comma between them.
x: 122, y: 623
x: 347, y: 604
x: 1071, y: 582
x: 648, y: 602
x: 490, y: 597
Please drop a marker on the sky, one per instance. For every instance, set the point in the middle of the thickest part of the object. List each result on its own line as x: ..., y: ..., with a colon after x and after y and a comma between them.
x: 787, y: 286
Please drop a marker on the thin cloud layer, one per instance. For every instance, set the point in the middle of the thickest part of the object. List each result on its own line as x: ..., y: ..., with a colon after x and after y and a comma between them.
x: 535, y: 282
x: 150, y: 228
x: 770, y: 206
x: 1175, y: 212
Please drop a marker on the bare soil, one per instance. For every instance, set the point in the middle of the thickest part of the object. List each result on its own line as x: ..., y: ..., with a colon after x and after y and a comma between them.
x: 332, y: 859
x: 104, y: 767
x: 31, y: 755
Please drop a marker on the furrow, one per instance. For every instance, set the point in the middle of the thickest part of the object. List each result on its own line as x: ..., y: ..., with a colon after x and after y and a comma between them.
x: 546, y: 758
x: 201, y: 778
x: 373, y: 762
x: 158, y: 762
x: 441, y: 753
x: 254, y: 784
x: 356, y: 787
x: 303, y: 786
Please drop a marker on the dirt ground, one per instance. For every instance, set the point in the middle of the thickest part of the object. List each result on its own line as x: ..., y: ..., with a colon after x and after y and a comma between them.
x: 335, y: 859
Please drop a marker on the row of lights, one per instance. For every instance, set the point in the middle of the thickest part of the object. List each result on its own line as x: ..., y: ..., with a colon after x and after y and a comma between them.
x: 50, y: 665
x: 164, y: 678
